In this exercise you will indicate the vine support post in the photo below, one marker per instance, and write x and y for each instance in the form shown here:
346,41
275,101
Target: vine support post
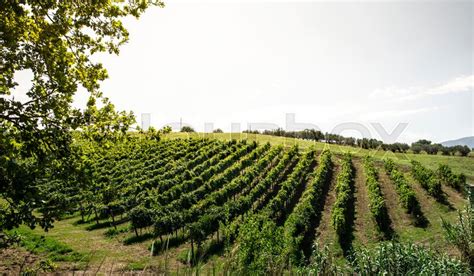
470,191
192,251
96,215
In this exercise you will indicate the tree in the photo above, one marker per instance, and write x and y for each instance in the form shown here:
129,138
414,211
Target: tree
416,148
53,40
433,149
464,150
218,130
423,145
423,142
187,129
446,150
402,147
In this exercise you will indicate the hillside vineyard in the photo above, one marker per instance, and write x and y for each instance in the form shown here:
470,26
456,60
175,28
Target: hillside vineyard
200,192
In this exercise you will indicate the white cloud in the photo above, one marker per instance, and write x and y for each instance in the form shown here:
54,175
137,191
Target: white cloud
457,85
461,84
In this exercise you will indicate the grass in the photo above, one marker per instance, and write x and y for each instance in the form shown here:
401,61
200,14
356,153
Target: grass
113,232
50,247
103,248
135,266
457,163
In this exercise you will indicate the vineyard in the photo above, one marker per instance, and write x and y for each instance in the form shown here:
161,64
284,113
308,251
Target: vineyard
90,184
260,205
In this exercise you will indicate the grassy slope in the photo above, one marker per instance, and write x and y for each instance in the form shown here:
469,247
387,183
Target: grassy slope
458,164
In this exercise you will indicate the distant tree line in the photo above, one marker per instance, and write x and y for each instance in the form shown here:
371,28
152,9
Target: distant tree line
366,143
187,129
430,148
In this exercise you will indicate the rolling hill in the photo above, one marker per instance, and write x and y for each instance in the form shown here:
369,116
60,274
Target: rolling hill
465,141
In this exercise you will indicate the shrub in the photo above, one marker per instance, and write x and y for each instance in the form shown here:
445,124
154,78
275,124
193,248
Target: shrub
461,234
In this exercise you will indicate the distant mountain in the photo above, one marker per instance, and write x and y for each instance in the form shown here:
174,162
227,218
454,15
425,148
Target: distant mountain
468,141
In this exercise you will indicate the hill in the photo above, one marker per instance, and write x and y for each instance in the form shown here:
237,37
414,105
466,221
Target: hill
466,141
459,164
158,206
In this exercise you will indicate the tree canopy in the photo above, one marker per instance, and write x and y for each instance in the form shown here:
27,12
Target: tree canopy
54,40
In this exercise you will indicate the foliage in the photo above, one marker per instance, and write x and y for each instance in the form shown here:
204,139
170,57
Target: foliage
187,129
461,234
9,239
394,258
54,41
260,245
277,205
175,180
340,215
447,177
216,208
385,258
270,251
407,196
152,134
376,199
323,263
396,147
170,217
261,191
166,130
427,180
429,148
199,189
299,224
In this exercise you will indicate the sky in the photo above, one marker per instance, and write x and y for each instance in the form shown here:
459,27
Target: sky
336,66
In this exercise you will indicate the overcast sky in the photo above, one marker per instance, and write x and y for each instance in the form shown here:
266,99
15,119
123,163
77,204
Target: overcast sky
226,62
